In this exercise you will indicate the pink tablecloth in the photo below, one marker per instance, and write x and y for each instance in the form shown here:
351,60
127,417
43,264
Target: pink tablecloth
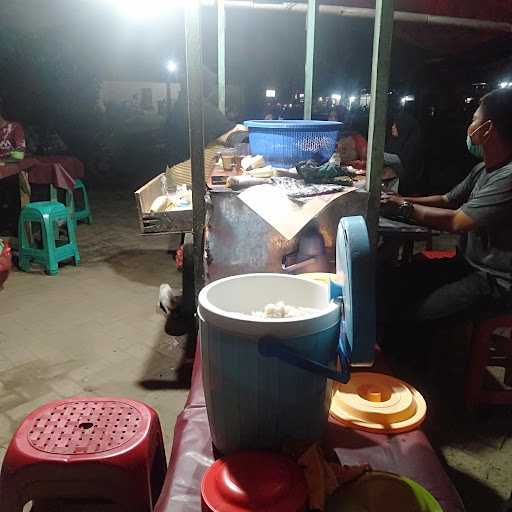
407,454
61,171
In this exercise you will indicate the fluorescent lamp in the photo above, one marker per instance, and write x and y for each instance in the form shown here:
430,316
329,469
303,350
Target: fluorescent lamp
171,66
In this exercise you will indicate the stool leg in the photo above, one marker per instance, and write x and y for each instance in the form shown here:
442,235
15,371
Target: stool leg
158,469
10,500
70,203
72,238
49,242
478,356
53,194
24,260
88,219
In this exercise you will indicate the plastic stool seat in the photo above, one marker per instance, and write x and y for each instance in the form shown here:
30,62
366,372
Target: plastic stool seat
48,214
86,449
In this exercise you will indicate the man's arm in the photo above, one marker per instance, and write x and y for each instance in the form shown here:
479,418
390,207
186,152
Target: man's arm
443,219
432,211
435,201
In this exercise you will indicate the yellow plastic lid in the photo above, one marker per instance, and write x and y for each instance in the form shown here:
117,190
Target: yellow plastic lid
375,402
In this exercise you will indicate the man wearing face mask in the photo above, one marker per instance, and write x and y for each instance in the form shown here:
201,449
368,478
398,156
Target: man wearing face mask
480,209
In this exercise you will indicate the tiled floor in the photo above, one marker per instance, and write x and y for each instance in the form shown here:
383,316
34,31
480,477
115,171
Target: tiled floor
95,330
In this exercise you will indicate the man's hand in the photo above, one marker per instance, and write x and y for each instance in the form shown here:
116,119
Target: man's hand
390,204
391,197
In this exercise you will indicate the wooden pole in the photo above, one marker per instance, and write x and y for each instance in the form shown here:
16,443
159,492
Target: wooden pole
196,132
310,58
381,65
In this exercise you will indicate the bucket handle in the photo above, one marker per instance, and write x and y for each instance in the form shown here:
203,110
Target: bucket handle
269,346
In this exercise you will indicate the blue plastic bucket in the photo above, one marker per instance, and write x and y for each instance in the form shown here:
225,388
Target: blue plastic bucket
285,143
254,400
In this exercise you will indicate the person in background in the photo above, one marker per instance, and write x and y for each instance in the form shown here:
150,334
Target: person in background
12,138
216,124
479,277
352,149
404,140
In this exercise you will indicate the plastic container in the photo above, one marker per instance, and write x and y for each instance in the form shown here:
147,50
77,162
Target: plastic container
254,482
285,143
255,399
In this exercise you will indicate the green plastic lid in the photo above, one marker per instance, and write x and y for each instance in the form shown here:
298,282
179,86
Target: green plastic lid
379,491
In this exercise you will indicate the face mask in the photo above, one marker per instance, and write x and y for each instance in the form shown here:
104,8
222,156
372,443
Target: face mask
476,150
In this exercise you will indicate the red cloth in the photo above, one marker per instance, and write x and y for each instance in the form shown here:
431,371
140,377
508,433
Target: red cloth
407,454
12,138
61,171
73,166
11,169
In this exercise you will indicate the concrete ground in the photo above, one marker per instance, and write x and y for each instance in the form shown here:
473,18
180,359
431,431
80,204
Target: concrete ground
95,330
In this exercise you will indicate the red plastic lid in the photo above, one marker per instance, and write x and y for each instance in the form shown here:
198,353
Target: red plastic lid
256,482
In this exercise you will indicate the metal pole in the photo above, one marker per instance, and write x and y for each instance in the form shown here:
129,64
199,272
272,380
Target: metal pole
361,12
381,65
310,58
221,28
168,95
196,131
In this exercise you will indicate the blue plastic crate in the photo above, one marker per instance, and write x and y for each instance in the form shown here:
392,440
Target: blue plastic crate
285,143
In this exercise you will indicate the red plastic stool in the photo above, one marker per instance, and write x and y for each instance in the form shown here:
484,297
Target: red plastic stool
485,353
438,255
88,449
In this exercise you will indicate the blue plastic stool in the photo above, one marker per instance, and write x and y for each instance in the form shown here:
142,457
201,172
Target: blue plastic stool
48,214
83,213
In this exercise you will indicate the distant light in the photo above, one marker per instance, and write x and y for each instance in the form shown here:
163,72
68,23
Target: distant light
407,99
336,97
270,93
301,95
139,10
364,100
321,98
290,105
469,99
503,85
171,66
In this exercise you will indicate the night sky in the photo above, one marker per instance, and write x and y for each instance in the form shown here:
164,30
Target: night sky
263,49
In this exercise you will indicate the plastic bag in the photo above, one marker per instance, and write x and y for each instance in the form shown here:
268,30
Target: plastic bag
5,261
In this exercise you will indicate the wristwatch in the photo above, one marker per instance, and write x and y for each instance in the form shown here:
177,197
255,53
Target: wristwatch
406,210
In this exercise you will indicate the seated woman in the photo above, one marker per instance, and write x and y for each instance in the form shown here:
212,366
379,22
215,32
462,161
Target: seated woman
12,138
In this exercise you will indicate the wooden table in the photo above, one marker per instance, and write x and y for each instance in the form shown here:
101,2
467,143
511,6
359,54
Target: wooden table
399,234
